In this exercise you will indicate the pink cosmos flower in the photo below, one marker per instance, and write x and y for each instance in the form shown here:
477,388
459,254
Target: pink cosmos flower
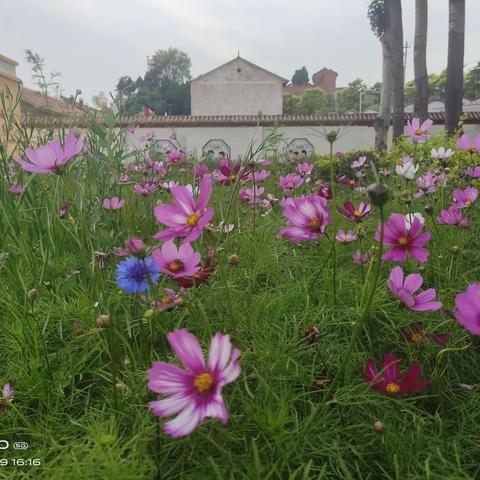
355,214
195,392
359,163
169,300
177,262
465,198
404,240
250,195
473,172
145,189
187,217
467,312
419,133
51,158
8,394
453,216
175,156
133,246
388,381
307,218
360,258
471,146
343,237
16,189
260,176
404,291
113,203
290,182
418,336
228,172
304,169
130,130
426,184
324,190
124,178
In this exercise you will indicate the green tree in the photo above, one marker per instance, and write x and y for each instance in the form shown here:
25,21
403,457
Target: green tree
164,88
290,103
348,98
471,83
313,100
300,77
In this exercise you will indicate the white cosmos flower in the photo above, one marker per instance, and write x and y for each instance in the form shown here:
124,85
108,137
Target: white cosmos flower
407,170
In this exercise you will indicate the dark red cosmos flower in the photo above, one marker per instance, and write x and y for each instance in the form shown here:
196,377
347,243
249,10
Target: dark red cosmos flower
388,381
228,171
200,277
349,182
324,190
419,336
357,214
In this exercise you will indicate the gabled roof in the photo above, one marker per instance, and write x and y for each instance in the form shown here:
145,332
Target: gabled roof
8,60
38,104
284,80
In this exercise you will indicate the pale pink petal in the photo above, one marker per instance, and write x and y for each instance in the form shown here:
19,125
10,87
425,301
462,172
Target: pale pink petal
186,347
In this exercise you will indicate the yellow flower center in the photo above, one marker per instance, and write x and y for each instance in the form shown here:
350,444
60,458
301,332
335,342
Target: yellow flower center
472,148
193,219
418,131
167,299
203,382
418,338
176,265
468,202
393,388
232,177
315,224
352,182
403,241
357,213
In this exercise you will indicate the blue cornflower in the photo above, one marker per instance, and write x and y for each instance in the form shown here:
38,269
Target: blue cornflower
136,274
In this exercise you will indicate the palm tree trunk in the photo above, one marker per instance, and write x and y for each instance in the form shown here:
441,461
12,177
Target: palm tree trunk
382,122
397,68
456,46
420,59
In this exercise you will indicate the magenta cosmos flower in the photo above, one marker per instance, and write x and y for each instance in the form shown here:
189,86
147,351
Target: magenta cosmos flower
145,189
187,217
453,216
228,171
113,203
51,157
307,218
259,176
290,182
418,133
465,198
304,169
195,392
467,312
418,336
8,394
404,290
133,246
359,163
360,258
356,214
471,146
181,262
389,382
404,240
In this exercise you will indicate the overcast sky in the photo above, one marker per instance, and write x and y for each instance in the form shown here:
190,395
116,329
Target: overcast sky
94,42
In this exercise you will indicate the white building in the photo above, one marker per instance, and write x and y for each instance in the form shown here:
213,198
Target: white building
237,87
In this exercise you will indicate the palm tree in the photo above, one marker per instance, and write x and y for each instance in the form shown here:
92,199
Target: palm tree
420,59
397,68
456,46
379,16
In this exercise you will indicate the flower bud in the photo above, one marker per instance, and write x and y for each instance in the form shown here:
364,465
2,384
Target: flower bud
455,249
378,426
428,209
234,259
378,193
149,314
120,387
32,295
331,136
103,321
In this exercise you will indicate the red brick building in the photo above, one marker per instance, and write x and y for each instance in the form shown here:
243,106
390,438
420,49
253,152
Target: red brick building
326,79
